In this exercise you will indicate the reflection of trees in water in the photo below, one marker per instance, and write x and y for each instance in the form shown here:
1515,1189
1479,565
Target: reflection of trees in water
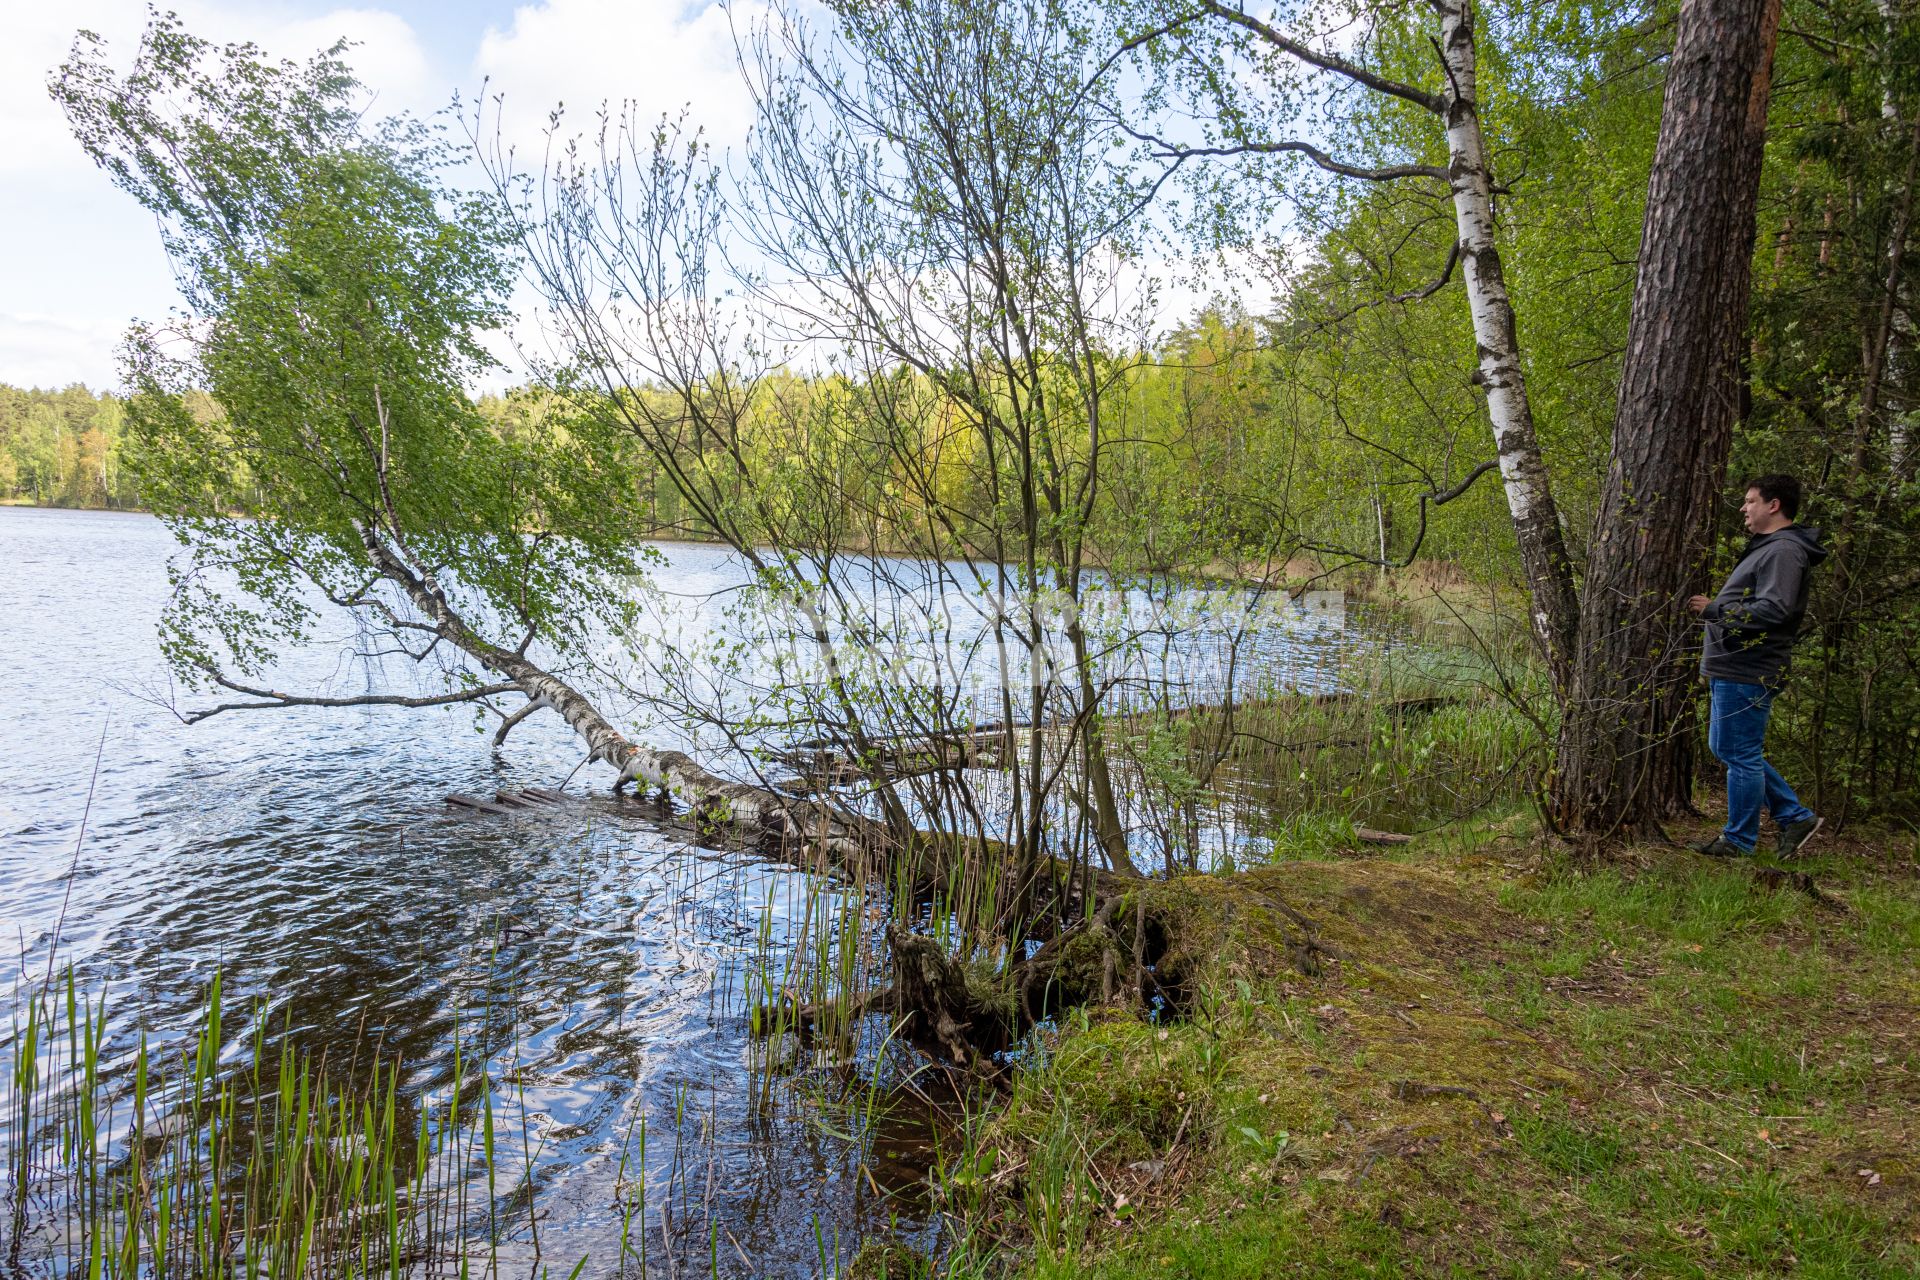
602,975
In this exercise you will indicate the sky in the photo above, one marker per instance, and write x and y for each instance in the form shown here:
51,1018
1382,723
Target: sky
79,259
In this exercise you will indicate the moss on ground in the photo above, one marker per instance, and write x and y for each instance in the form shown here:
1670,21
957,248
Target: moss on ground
1483,1060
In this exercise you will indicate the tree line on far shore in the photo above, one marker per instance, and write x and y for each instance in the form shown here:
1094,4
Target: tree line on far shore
63,448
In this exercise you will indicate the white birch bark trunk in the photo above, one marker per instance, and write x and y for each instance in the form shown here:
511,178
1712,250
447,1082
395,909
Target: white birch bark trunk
1536,519
715,801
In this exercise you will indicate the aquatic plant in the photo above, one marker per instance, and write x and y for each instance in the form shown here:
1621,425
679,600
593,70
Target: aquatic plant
187,1158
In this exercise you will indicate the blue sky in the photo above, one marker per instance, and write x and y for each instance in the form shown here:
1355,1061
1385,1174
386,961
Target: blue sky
79,260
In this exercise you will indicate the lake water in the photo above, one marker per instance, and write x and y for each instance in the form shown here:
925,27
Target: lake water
308,857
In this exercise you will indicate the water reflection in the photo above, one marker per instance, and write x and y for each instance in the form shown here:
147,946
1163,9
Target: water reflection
309,859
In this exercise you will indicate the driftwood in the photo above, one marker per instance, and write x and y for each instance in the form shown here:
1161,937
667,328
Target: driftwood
823,763
472,802
823,766
788,1013
526,799
1399,706
510,801
916,739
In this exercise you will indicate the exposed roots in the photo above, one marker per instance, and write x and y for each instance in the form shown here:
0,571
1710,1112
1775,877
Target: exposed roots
1150,946
945,1011
1157,947
1155,944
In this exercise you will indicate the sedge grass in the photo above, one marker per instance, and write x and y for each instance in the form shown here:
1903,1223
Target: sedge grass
178,1160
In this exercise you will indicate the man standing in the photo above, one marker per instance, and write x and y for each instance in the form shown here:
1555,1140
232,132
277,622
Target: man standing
1751,627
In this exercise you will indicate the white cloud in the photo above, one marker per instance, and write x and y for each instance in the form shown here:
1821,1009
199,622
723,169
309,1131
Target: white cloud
660,55
57,351
78,259
386,56
38,37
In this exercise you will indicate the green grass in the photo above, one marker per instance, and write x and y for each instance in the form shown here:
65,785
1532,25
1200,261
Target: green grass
214,1158
1673,1072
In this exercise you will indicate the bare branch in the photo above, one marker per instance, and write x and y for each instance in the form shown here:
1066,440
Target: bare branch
1436,498
1453,81
1426,290
1179,154
1325,61
1128,46
273,698
507,725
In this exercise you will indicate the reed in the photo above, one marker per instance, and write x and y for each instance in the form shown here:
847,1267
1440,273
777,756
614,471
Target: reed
1280,776
198,1158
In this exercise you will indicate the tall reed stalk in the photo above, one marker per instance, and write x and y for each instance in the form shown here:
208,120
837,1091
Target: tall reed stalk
178,1161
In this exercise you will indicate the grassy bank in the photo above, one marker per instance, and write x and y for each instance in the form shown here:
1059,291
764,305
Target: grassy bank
1473,1058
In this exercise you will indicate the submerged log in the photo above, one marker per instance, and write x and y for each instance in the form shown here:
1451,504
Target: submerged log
757,812
825,767
474,802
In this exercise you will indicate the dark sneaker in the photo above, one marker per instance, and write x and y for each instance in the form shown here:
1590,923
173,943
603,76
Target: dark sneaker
1795,834
1720,847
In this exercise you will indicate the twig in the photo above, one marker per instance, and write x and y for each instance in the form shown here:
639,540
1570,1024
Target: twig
86,812
1723,1155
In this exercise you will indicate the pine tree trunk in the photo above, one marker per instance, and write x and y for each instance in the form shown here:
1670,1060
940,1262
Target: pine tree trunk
1899,344
1624,762
1536,518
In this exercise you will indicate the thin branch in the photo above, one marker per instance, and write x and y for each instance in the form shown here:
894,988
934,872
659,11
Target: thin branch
1128,46
1412,295
1453,81
1325,61
273,698
1179,154
1431,498
507,725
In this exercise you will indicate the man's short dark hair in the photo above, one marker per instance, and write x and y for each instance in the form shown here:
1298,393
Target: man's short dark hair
1779,487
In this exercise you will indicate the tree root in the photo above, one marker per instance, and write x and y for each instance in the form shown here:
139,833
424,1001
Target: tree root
944,1013
804,1020
1777,878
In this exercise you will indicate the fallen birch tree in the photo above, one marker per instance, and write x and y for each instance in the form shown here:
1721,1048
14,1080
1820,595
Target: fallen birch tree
337,293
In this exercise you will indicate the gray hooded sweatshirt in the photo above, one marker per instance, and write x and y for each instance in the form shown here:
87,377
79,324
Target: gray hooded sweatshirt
1752,623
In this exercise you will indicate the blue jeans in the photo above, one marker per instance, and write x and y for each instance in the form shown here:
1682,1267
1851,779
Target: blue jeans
1735,734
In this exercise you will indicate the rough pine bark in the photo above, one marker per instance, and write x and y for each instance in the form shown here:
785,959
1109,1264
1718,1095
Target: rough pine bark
1523,471
1899,343
1624,762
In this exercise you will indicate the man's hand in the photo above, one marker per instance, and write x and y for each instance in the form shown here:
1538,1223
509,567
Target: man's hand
1697,605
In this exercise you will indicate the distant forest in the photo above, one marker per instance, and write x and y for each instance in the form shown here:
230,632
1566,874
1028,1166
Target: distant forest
63,448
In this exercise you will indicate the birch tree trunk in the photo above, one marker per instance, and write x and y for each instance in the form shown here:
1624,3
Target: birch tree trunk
1621,765
1554,611
1882,345
1536,518
753,811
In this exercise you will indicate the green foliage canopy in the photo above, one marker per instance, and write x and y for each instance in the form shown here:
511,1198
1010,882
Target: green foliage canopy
337,294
